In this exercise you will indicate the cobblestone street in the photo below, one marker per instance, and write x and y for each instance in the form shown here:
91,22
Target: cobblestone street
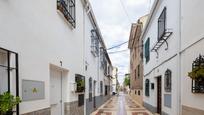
121,105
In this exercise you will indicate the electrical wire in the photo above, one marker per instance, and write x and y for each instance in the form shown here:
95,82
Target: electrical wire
118,51
125,11
117,45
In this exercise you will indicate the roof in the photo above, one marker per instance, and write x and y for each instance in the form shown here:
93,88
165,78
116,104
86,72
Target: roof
136,30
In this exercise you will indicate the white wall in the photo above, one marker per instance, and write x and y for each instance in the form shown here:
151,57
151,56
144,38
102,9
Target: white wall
40,35
157,66
192,27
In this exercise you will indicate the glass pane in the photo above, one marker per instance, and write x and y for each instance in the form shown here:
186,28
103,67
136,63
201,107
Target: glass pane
3,58
3,80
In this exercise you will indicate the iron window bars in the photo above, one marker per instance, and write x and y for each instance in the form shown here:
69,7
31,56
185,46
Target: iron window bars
198,84
67,7
9,69
102,55
163,32
94,43
167,78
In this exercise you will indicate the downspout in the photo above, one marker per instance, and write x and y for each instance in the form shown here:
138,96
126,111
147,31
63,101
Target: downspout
179,62
84,58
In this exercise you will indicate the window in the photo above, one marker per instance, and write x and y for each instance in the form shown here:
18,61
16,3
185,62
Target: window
147,87
147,50
101,85
135,74
135,92
9,73
81,100
94,43
138,71
105,66
152,86
138,92
102,57
67,7
106,89
90,89
197,75
167,81
162,24
80,82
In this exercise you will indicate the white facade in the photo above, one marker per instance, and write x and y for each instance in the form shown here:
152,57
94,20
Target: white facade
192,35
184,20
164,60
48,46
115,80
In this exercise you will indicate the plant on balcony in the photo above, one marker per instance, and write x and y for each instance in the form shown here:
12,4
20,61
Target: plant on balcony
7,103
197,73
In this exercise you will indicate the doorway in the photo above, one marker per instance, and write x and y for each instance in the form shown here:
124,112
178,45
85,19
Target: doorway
56,95
159,95
94,95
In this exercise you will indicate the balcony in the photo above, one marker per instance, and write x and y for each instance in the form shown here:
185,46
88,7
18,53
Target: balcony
67,8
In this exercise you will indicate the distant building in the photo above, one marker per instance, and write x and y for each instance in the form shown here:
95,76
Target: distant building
115,83
136,59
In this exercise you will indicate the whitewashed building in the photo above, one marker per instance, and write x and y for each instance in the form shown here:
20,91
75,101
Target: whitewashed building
191,48
47,56
173,46
160,40
115,82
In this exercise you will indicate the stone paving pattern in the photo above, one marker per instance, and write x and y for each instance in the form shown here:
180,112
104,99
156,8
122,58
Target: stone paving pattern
121,105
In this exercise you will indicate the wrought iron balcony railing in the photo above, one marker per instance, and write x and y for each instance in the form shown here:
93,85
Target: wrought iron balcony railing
67,7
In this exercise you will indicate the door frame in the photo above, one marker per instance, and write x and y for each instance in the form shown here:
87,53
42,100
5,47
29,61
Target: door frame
159,94
94,94
63,73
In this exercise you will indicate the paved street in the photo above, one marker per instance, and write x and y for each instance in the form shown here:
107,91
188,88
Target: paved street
121,105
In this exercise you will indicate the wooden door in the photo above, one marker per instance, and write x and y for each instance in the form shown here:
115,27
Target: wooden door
159,95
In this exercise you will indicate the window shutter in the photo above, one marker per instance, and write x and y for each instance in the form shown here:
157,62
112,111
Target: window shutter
147,50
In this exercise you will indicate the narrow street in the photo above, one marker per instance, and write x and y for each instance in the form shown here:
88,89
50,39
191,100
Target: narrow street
121,105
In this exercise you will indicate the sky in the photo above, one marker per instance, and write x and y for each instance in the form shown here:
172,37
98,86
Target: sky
114,18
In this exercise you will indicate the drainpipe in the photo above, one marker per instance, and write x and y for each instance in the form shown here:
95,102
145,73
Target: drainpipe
179,63
84,58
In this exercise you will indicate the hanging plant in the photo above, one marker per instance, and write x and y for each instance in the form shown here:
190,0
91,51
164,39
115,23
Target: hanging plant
196,73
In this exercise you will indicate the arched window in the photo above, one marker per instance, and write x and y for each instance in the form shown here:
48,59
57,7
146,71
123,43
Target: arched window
147,87
167,81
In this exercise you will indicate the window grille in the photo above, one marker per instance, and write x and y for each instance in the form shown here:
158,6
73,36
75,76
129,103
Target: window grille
9,73
67,7
198,83
167,82
94,43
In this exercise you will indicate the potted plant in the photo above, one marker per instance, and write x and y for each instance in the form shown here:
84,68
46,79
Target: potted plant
7,103
197,73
